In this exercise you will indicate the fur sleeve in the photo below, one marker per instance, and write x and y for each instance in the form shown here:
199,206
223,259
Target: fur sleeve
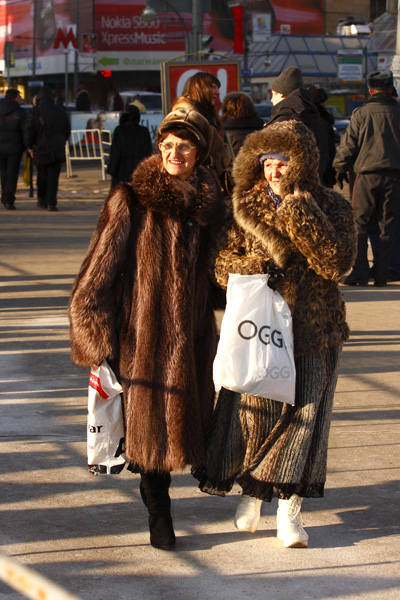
233,257
324,236
92,307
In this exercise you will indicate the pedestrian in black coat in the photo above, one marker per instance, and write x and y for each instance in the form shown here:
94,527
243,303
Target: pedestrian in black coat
46,130
292,101
130,145
239,118
82,101
11,145
320,99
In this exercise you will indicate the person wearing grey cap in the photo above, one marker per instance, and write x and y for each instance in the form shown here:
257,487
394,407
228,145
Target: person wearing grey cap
292,101
144,300
371,145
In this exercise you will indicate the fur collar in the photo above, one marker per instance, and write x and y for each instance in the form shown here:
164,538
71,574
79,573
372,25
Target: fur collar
197,197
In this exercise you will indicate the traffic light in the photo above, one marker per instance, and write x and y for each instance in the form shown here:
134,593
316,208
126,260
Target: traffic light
106,73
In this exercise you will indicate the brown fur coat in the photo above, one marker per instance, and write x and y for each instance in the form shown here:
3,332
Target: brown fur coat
310,237
143,300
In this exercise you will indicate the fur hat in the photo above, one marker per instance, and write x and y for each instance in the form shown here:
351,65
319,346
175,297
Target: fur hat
380,80
289,80
193,121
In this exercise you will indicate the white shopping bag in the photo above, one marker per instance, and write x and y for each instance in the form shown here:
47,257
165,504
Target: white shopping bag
105,423
255,350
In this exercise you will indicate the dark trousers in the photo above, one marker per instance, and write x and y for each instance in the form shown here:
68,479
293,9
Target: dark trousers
395,260
9,170
47,183
376,202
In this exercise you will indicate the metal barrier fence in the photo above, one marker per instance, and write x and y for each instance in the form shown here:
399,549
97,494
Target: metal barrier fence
30,583
88,144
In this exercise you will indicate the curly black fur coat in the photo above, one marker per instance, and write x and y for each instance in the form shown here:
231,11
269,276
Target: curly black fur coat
311,236
143,300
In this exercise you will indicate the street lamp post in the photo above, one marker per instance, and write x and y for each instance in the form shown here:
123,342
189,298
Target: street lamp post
76,61
34,39
245,46
196,25
149,14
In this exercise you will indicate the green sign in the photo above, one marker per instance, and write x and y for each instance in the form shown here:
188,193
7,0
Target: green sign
106,62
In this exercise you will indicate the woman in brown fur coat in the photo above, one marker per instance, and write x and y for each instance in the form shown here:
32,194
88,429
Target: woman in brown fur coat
144,301
303,234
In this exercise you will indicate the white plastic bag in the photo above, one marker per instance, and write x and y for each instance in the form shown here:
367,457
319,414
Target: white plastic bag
105,423
255,350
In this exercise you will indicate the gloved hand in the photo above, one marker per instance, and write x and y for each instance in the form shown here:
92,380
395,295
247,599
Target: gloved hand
340,177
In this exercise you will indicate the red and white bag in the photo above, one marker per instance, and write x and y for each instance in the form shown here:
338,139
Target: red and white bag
105,422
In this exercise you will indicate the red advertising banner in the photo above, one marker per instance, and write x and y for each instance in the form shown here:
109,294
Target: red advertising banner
121,28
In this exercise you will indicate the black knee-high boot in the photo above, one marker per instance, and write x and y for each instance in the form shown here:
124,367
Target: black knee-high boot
154,492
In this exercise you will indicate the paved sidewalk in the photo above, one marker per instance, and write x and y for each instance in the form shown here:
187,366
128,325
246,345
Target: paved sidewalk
89,534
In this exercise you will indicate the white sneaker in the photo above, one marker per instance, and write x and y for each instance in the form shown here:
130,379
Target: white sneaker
290,528
248,513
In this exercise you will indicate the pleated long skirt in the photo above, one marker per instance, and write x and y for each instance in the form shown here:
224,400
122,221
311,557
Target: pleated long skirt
273,449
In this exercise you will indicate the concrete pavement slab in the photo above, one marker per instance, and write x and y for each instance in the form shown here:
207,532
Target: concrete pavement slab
89,534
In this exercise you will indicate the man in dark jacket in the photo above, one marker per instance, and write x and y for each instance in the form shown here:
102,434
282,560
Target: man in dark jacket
82,101
371,145
46,130
320,99
130,145
292,101
11,145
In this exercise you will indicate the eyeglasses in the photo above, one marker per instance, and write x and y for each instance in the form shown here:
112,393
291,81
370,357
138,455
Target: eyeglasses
181,148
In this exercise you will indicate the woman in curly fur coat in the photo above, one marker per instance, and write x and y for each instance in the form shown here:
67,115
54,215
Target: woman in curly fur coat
144,301
287,224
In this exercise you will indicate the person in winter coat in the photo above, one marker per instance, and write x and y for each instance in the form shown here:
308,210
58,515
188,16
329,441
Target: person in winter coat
201,92
239,118
144,300
292,101
131,143
46,130
320,99
12,118
371,146
289,225
116,102
82,101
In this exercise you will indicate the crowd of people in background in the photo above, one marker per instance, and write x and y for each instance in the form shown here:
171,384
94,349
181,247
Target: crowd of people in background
358,160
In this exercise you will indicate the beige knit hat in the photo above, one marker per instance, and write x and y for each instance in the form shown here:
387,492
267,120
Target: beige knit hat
194,122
